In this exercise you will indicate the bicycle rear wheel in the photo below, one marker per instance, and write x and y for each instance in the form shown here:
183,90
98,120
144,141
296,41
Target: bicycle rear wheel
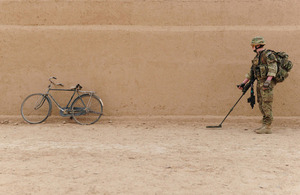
36,108
87,109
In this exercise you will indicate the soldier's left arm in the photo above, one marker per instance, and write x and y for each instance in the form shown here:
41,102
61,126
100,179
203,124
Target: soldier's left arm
272,69
272,64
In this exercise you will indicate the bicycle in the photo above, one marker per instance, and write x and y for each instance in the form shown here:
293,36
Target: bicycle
85,109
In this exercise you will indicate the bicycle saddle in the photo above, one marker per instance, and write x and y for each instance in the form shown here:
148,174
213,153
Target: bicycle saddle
78,86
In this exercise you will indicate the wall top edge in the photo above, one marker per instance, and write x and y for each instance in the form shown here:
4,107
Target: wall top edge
151,28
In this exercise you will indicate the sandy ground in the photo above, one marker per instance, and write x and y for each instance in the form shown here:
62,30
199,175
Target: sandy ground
176,155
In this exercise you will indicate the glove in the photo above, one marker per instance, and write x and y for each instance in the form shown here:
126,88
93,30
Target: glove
241,86
266,84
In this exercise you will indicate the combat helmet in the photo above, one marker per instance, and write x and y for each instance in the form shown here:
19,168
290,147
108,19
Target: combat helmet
258,41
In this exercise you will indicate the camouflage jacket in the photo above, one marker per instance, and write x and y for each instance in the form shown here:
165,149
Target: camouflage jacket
264,65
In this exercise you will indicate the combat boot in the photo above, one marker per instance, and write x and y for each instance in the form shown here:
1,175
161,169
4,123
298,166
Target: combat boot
265,129
259,128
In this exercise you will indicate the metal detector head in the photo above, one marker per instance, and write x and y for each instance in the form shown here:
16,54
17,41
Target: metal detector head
219,126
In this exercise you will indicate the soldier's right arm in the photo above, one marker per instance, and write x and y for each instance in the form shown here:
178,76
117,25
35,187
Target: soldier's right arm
248,76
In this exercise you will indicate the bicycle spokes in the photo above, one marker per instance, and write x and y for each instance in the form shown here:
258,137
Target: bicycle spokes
36,108
87,109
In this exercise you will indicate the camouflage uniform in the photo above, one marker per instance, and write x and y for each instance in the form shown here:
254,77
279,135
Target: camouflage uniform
264,65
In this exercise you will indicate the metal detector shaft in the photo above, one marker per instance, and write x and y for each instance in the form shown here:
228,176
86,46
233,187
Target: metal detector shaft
220,125
231,109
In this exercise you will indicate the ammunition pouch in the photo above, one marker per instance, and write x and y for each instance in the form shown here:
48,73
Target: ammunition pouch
261,71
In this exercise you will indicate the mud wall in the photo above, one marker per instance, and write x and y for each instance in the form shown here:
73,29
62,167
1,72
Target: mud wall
148,57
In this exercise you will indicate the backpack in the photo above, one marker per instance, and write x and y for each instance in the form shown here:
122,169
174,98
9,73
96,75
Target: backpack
284,66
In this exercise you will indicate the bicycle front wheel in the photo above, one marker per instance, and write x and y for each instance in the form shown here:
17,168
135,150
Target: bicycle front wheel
36,108
87,109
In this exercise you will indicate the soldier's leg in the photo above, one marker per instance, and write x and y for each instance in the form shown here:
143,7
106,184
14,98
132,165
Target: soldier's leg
266,108
267,101
259,100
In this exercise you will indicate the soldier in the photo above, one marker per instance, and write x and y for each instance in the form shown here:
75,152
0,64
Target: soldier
263,69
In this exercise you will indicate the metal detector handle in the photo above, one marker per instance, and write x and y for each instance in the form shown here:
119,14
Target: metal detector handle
247,86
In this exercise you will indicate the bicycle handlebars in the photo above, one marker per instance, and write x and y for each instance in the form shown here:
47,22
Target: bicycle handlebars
56,84
78,86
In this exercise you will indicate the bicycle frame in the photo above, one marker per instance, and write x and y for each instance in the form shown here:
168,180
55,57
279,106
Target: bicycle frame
75,91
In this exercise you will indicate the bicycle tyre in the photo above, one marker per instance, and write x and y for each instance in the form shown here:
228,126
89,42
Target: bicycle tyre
36,108
87,109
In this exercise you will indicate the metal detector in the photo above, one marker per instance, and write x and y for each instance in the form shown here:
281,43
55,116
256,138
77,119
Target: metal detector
220,125
245,89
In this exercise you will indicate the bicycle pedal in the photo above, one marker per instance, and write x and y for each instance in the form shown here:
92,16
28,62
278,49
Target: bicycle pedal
65,112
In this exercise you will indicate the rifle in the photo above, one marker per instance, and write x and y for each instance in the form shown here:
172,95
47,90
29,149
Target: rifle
250,100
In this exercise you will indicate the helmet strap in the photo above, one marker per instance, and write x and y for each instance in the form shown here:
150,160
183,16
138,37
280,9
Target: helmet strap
257,47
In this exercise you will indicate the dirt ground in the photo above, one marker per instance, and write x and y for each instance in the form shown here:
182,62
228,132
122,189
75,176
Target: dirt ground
162,155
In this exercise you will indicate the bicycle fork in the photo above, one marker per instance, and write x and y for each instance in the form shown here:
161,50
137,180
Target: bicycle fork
40,103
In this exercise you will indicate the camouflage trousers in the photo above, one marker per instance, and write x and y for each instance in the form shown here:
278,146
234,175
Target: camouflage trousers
265,101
